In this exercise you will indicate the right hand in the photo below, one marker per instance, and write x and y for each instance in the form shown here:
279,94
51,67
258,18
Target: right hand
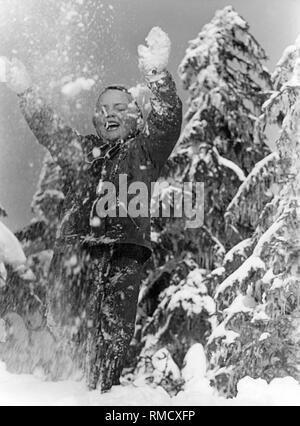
154,57
17,76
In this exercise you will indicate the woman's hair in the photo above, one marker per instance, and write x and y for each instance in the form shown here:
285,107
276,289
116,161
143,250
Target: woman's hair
114,87
121,89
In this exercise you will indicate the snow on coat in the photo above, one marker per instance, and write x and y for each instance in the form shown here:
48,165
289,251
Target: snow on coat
84,158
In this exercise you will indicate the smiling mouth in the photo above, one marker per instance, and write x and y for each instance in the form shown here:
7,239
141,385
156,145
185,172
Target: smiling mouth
112,126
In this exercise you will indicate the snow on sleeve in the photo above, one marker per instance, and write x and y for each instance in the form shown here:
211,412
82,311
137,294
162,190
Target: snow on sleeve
53,194
142,95
11,252
74,88
155,56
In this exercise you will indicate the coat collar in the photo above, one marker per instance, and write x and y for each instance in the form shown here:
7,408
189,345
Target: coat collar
106,151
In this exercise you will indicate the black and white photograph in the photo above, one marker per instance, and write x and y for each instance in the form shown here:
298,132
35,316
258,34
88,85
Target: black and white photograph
149,205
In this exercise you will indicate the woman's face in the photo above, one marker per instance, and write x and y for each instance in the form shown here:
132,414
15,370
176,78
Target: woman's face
116,116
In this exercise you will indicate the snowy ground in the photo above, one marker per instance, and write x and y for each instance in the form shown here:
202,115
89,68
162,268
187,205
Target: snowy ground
31,391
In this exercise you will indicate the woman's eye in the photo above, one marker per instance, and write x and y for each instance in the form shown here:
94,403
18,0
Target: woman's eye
121,108
101,113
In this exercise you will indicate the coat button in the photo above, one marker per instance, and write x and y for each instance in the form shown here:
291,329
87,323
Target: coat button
95,222
96,152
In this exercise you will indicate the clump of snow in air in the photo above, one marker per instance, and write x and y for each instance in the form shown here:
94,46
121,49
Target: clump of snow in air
74,88
155,56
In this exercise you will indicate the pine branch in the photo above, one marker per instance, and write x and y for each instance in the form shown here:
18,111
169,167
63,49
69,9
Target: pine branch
230,165
252,195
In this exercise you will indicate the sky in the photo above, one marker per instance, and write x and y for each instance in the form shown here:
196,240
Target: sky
44,36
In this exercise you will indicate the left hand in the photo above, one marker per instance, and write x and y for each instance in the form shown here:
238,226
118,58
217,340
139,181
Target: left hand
154,58
17,76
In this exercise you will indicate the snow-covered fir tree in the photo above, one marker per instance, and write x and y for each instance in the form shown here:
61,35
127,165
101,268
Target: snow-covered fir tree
258,334
224,73
23,298
46,207
13,266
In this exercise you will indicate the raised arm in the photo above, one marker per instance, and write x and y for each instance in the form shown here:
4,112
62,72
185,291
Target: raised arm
165,119
63,143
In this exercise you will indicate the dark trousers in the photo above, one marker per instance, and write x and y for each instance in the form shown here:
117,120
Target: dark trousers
93,296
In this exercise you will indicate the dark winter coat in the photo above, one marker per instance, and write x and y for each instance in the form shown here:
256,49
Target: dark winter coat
141,159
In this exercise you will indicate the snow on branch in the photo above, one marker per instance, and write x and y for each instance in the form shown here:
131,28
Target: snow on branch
230,165
50,194
242,274
285,66
266,238
241,304
238,250
256,187
190,295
